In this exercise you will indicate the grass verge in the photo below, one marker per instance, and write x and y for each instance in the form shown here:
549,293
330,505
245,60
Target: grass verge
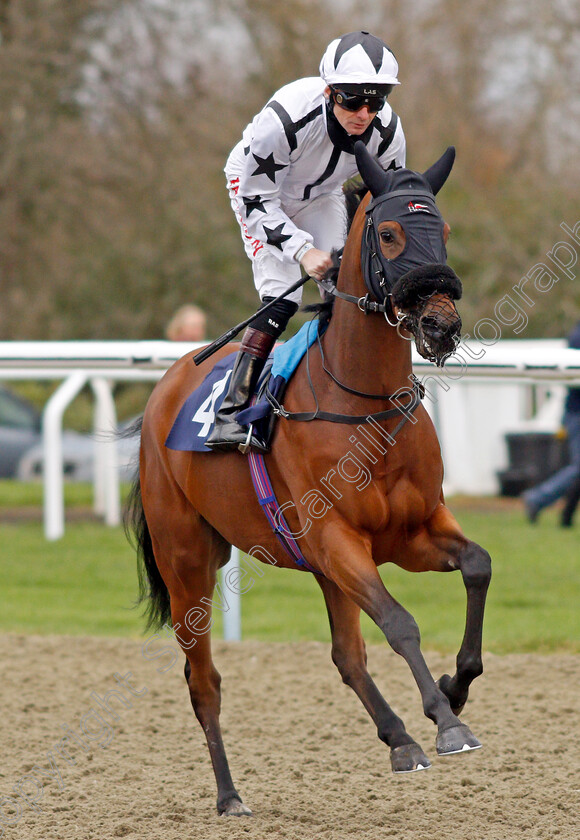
86,584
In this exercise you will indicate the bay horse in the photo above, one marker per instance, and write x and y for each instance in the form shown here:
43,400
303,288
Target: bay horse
353,501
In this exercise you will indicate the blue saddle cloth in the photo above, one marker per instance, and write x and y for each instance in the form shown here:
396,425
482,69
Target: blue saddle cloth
196,418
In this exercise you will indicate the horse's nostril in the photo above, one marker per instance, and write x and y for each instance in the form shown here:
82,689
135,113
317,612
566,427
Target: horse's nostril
429,323
434,327
437,328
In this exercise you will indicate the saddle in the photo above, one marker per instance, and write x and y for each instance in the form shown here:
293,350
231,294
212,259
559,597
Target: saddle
196,418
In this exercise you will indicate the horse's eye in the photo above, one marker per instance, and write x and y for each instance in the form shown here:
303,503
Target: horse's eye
387,237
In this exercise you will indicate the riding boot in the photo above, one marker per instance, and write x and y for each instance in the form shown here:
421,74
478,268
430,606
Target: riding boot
227,433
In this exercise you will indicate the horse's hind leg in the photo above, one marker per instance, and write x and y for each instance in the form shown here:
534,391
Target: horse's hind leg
203,681
475,565
349,656
191,571
204,689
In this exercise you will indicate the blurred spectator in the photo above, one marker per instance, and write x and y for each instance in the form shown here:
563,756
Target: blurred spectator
563,482
572,499
187,324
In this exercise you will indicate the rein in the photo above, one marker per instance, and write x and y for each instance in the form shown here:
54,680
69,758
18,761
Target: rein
415,395
346,387
364,303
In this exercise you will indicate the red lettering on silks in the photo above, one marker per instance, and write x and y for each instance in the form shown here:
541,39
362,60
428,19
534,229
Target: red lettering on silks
255,244
234,185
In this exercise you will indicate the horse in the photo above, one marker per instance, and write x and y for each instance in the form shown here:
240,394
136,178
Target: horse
352,501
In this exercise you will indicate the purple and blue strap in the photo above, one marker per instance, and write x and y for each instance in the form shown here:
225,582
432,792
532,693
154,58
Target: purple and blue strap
274,515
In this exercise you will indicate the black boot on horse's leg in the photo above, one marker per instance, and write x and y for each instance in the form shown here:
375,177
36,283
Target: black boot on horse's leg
255,348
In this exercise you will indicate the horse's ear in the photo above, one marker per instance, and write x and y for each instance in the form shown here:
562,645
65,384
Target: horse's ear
372,172
437,174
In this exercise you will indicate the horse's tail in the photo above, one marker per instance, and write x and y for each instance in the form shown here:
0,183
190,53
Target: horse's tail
152,590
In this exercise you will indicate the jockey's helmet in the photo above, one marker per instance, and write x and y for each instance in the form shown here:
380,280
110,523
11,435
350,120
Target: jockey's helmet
360,63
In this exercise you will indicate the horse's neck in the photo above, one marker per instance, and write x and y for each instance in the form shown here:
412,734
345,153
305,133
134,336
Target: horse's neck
364,351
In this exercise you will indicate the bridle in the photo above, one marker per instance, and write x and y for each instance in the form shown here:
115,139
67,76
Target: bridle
380,297
382,293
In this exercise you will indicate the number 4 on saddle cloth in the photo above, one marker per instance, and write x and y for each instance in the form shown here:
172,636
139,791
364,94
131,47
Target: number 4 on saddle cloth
197,415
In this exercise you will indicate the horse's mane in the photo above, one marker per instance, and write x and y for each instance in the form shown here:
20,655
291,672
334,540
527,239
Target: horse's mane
354,192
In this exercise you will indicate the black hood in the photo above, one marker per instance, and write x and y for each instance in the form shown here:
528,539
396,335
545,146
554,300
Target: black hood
410,202
406,197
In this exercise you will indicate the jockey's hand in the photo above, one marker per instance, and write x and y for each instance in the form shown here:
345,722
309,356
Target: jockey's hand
315,263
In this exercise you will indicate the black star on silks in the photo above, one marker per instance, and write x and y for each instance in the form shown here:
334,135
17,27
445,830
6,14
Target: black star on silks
268,166
254,203
275,236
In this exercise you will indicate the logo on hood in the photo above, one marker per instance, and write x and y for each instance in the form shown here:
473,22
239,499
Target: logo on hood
415,207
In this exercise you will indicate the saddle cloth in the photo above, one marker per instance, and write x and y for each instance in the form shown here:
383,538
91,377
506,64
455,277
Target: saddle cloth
196,418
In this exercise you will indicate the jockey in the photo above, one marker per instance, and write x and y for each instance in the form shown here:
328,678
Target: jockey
285,180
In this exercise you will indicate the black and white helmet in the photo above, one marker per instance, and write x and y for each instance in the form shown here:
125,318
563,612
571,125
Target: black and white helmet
359,58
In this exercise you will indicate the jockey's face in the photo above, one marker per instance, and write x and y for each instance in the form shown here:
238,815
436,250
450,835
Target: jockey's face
353,122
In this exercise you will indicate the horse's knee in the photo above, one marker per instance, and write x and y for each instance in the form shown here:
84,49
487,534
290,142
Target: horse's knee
475,565
401,630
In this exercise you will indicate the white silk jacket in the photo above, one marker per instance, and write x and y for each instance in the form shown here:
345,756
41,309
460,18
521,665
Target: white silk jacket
293,151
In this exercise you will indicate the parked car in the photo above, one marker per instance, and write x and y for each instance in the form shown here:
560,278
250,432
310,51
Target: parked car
19,430
78,455
21,448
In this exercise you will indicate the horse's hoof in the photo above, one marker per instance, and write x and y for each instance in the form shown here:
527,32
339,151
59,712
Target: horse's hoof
234,808
444,683
456,739
408,758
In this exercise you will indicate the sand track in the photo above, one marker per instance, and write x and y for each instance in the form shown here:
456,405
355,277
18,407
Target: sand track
303,752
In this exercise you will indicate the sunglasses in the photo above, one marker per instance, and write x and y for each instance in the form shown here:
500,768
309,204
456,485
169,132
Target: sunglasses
355,101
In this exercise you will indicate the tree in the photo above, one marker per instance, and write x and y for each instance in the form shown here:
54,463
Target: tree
117,117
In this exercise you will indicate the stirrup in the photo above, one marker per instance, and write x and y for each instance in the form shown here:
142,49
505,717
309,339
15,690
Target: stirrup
246,445
252,442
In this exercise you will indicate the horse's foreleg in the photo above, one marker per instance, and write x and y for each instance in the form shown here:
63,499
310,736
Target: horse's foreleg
475,565
358,577
349,656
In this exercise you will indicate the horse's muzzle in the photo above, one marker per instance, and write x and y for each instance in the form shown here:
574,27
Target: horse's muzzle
436,327
437,337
